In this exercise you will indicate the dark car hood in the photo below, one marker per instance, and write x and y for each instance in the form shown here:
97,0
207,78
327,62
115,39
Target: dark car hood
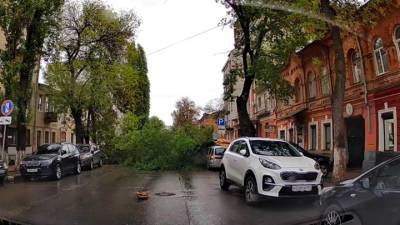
40,157
314,155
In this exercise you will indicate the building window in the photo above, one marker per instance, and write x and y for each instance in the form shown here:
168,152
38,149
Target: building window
291,135
282,134
53,137
46,104
300,135
381,59
356,66
39,138
387,130
40,103
259,103
312,85
72,138
325,81
46,137
28,137
297,91
313,137
327,135
63,136
397,40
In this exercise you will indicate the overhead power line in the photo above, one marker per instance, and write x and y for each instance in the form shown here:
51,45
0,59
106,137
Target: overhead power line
183,40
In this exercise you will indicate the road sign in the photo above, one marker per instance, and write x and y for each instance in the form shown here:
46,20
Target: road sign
7,107
221,122
5,120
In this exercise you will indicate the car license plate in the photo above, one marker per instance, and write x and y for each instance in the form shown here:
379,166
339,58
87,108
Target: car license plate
301,188
31,170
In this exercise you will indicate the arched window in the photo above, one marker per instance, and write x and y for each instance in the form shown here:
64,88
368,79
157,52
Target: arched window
297,91
312,85
381,59
325,81
397,40
356,66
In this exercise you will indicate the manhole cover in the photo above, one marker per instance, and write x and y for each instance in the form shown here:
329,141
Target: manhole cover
165,194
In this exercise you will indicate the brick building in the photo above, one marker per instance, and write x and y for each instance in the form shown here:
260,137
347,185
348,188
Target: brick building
372,97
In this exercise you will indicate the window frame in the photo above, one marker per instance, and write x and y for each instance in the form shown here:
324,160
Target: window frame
312,85
355,63
381,137
396,40
383,54
325,77
310,138
323,136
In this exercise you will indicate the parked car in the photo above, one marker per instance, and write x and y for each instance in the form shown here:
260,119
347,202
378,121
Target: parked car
214,157
371,198
90,156
324,161
52,161
3,171
269,167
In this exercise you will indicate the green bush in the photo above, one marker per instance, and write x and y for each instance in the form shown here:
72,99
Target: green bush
155,147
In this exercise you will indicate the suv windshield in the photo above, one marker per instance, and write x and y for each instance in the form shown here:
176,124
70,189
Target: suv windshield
219,151
273,148
49,149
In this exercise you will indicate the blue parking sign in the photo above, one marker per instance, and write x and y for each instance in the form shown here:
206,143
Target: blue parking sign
221,122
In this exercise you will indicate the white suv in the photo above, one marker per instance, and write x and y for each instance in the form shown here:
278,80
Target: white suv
269,167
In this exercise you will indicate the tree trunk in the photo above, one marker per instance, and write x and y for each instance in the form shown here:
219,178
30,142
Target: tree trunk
246,126
339,142
79,127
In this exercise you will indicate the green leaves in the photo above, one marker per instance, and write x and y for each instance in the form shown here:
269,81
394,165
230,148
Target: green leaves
154,147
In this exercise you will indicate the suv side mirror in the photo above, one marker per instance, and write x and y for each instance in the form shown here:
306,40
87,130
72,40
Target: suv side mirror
243,152
302,154
63,152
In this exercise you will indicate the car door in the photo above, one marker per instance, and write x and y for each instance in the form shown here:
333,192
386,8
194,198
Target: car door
65,158
229,160
239,162
96,154
388,182
74,156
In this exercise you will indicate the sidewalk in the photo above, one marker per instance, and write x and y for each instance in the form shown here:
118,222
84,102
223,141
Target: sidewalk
350,174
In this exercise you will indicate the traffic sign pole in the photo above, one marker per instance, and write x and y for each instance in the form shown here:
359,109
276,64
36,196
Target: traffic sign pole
6,109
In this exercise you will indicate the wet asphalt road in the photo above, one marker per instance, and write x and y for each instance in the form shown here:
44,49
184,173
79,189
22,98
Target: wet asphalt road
107,196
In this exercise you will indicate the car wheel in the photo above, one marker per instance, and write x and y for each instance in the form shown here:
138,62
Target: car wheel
251,193
223,182
100,163
324,169
78,168
2,181
58,173
332,215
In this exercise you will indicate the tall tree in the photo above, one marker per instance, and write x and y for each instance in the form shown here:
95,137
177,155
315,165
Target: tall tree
26,25
91,36
265,37
186,113
132,90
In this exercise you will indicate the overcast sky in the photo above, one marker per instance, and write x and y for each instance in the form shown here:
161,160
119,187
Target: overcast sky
191,68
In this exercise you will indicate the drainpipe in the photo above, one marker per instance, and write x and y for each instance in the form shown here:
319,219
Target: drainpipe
35,96
364,80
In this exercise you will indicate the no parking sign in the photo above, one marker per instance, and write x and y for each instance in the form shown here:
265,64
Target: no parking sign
7,107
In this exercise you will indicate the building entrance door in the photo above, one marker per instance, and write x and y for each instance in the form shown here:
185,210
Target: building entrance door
356,141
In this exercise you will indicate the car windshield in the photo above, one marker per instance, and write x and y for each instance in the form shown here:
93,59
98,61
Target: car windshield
49,149
219,151
273,148
84,148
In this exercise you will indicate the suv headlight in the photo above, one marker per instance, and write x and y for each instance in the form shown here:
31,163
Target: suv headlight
317,166
269,165
46,162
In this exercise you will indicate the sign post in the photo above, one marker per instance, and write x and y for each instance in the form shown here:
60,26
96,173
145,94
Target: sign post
6,109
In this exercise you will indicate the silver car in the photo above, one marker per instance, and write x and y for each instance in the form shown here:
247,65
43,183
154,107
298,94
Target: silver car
214,157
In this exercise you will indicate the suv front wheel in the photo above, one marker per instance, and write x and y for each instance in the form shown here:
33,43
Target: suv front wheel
223,182
251,193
